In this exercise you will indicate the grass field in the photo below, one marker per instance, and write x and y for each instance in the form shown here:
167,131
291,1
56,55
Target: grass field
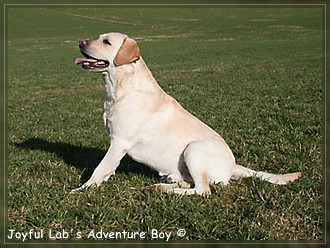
252,74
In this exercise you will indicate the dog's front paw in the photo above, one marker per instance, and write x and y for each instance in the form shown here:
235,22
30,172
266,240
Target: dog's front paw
81,188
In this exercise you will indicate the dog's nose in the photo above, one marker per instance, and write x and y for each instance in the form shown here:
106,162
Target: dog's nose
83,43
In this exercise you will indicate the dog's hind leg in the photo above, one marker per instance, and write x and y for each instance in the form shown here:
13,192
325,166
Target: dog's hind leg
170,187
208,161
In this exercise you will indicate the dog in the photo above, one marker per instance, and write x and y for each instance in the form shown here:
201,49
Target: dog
153,128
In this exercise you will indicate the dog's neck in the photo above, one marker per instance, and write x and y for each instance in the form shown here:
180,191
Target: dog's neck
125,78
110,84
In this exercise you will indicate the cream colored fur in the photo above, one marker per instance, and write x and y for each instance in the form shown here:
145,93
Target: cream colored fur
154,129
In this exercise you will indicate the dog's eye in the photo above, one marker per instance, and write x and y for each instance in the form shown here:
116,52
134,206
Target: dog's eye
107,42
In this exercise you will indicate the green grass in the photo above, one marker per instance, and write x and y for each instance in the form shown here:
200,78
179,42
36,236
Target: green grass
252,74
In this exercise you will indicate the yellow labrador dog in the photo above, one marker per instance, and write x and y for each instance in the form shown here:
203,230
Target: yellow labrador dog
153,128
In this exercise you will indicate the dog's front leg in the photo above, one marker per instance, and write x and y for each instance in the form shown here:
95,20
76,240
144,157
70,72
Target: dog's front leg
107,166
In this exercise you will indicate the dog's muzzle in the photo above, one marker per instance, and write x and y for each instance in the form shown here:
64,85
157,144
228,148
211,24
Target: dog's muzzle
89,62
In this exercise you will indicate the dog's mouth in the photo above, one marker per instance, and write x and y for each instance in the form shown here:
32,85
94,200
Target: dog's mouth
91,64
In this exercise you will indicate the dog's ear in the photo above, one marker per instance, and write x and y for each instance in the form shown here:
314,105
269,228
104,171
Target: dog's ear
128,53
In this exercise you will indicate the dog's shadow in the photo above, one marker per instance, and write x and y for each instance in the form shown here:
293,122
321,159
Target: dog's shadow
83,158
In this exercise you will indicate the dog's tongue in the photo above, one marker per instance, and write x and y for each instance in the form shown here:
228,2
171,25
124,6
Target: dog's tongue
82,60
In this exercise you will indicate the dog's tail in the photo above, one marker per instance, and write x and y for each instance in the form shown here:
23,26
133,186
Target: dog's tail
241,171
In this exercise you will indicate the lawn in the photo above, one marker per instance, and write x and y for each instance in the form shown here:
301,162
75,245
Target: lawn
252,74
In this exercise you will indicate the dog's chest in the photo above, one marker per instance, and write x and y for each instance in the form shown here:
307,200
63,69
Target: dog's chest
109,98
107,114
108,103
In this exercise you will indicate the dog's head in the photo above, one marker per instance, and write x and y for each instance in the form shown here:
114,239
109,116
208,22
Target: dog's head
109,50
